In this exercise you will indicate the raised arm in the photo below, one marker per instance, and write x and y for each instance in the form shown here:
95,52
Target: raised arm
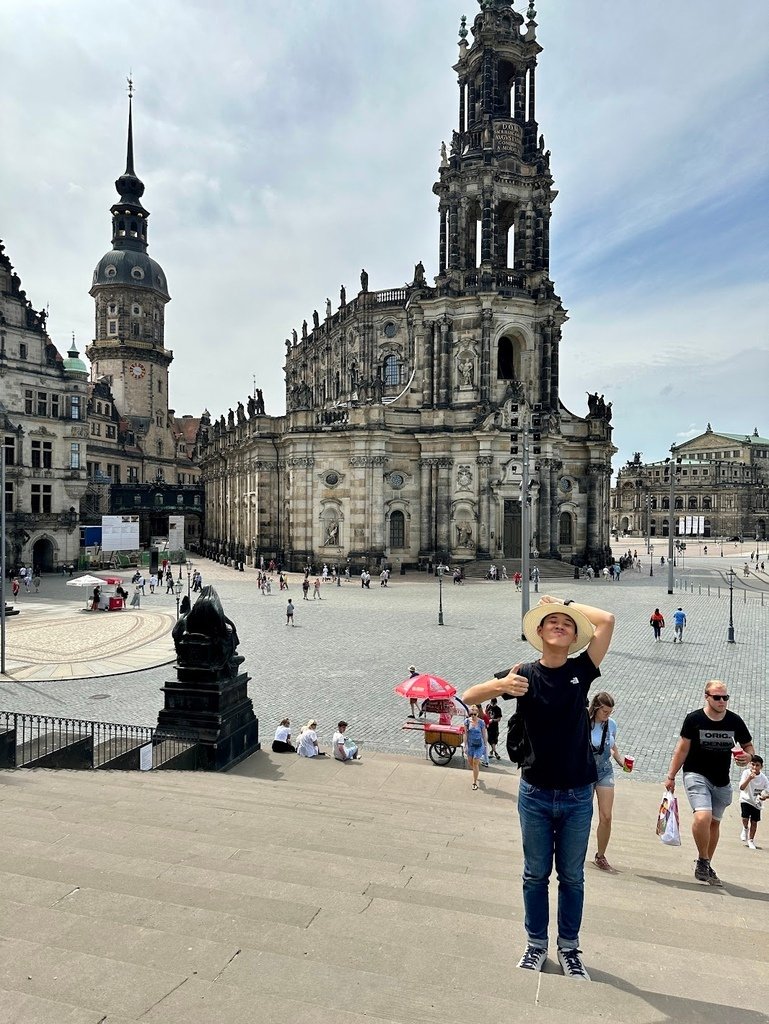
512,684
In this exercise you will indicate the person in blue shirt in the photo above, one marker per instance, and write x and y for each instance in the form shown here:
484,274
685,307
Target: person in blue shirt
679,621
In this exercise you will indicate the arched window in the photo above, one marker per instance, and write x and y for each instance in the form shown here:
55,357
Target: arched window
506,359
391,371
692,502
397,530
665,504
665,527
707,504
653,528
679,503
565,532
654,503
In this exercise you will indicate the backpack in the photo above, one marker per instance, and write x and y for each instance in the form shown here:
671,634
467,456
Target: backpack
519,748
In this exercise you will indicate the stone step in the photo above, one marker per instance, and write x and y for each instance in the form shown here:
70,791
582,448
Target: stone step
374,892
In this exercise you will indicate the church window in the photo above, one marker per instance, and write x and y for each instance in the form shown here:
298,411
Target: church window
98,408
137,273
22,350
565,529
506,360
665,504
391,371
692,503
397,530
74,407
679,503
74,456
707,504
110,271
390,329
137,311
135,330
112,327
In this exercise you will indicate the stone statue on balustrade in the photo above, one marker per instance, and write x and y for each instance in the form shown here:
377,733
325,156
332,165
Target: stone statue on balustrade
205,639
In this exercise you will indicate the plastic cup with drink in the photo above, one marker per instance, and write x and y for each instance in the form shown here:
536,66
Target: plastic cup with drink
629,763
737,751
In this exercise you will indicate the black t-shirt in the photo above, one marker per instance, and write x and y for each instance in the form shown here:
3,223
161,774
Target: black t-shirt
555,713
710,753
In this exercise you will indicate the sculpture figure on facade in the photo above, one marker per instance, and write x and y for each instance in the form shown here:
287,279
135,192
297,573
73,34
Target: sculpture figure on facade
304,330
466,369
230,419
251,406
315,318
217,430
444,155
464,534
342,296
378,388
419,275
259,402
363,281
592,403
241,413
222,423
294,337
205,638
607,412
332,533
328,309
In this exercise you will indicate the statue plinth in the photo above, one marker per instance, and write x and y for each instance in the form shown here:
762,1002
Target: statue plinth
210,694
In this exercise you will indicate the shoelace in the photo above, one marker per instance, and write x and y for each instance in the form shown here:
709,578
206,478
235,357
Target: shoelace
530,957
573,962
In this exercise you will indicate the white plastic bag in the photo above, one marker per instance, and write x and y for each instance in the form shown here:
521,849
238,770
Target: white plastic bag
668,822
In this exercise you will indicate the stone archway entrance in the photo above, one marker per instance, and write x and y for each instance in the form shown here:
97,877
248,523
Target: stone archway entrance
42,555
511,530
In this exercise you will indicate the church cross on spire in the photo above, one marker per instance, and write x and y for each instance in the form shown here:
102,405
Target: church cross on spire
129,165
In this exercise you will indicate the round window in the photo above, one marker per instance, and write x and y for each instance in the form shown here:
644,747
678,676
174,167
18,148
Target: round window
110,271
138,273
390,330
396,480
332,479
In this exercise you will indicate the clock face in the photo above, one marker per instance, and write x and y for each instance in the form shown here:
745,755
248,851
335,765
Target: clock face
137,370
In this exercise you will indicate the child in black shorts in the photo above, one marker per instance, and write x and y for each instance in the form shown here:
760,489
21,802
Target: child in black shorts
754,789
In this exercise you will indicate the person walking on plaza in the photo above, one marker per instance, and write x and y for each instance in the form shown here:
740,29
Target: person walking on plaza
316,589
494,712
657,623
555,796
290,613
475,739
603,740
679,621
754,789
305,589
709,737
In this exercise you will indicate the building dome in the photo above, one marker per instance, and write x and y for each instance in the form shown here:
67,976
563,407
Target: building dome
73,363
129,267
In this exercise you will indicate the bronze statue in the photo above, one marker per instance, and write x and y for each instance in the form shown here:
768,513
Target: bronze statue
205,638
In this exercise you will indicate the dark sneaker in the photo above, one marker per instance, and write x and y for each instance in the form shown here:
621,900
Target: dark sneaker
571,964
533,959
702,870
713,878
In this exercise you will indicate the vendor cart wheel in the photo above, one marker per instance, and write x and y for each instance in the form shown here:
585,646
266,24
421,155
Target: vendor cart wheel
441,753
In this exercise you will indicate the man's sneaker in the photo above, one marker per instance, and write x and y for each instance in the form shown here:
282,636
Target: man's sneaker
702,870
571,964
751,844
713,878
744,835
533,959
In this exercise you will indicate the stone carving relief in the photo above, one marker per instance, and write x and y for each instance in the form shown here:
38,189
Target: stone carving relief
464,478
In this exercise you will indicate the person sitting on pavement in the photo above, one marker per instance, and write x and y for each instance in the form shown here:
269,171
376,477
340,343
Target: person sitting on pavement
307,744
282,743
343,749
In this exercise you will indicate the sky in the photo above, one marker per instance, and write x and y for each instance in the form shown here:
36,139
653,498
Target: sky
285,144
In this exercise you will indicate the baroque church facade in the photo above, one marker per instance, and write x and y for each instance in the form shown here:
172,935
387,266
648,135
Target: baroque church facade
410,411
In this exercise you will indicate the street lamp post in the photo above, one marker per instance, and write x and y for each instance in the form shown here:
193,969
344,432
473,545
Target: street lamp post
440,570
730,632
189,578
178,591
672,463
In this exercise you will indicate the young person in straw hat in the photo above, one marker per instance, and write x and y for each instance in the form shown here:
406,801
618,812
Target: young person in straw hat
555,796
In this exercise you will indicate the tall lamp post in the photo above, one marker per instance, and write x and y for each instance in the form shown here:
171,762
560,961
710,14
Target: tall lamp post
730,632
528,414
189,577
673,464
440,570
178,591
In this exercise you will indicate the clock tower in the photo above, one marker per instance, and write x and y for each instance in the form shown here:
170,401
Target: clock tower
130,293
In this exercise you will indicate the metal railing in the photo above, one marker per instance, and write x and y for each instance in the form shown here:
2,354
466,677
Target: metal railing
45,741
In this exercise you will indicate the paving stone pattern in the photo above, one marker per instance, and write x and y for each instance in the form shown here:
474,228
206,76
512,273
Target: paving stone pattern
348,650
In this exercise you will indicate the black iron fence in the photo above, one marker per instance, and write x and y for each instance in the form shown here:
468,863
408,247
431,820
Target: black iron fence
44,741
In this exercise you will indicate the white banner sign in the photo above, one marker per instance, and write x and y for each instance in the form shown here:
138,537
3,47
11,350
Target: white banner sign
120,533
176,532
145,758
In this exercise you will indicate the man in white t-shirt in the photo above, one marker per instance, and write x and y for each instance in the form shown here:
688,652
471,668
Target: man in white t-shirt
754,789
342,750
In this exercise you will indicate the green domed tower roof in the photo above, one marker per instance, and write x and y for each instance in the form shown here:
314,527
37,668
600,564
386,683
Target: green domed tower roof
73,363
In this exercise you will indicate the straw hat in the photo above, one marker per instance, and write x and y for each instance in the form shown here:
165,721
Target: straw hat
532,619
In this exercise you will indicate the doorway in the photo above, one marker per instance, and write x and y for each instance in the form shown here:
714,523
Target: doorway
42,555
511,533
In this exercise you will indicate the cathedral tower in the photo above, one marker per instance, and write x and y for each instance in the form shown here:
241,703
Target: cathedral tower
130,292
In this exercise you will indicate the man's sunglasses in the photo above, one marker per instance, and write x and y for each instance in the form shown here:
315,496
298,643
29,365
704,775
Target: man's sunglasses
718,696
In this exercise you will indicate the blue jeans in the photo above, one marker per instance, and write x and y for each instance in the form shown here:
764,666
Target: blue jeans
555,823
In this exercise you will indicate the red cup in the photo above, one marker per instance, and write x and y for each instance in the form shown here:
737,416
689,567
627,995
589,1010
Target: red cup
629,763
737,751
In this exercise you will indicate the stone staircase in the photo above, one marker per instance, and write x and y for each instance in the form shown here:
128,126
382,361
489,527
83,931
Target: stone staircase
387,891
549,568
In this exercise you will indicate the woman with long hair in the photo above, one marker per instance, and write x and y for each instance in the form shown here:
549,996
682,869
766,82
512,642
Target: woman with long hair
603,740
476,740
282,743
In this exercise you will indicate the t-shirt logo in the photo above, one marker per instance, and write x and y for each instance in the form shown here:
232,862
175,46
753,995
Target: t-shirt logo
574,681
711,739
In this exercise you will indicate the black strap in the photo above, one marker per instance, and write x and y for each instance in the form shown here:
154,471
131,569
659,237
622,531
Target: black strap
600,750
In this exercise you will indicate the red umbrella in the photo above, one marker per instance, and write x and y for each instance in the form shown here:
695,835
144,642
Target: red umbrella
425,686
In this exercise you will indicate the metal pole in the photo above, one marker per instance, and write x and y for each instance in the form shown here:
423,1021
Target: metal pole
672,517
2,554
440,595
525,527
730,631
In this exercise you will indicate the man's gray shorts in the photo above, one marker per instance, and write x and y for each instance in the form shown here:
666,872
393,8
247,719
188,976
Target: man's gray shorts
704,796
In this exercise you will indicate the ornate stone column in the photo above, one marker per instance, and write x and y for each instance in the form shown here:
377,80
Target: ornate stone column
595,473
487,315
443,394
554,535
484,464
377,464
444,504
425,506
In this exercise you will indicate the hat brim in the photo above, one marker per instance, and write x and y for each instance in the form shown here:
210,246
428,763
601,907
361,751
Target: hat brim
532,620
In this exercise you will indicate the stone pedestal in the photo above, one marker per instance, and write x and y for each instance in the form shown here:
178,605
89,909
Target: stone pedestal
210,694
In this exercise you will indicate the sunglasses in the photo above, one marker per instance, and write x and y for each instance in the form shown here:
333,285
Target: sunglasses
473,714
718,696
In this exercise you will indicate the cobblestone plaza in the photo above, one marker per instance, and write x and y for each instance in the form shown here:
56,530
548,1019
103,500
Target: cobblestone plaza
349,649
